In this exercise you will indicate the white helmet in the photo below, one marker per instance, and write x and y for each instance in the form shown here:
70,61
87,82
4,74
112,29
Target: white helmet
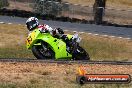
32,23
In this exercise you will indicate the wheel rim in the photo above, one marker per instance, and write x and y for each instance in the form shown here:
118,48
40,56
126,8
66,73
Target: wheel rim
81,54
46,53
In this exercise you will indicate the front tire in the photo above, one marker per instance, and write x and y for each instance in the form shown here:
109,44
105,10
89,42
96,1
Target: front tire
39,52
81,54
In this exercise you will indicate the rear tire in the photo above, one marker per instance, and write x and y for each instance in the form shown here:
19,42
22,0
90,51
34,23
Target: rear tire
37,51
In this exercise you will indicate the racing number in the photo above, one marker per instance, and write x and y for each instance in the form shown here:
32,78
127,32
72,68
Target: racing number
29,40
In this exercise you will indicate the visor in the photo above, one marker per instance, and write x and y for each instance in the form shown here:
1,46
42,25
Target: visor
31,24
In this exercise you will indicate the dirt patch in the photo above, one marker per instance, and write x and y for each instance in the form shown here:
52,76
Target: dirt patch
118,4
20,5
54,68
53,74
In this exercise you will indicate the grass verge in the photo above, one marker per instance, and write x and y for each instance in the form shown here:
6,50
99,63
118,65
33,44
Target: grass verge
12,45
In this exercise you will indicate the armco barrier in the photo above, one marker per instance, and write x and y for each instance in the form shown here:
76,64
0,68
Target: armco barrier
26,14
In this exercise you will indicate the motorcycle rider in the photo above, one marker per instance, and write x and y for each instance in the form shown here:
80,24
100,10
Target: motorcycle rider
33,23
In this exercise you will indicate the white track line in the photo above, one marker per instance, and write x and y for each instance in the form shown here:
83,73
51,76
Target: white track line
112,36
120,37
74,31
66,30
89,33
128,38
2,22
9,23
81,32
96,34
84,32
105,35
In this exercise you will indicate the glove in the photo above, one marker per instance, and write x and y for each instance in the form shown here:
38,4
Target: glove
59,30
43,30
76,37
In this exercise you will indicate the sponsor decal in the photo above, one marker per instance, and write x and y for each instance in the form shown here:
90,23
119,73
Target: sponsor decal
83,77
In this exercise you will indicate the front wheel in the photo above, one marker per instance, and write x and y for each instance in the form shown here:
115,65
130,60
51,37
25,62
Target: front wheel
43,52
81,54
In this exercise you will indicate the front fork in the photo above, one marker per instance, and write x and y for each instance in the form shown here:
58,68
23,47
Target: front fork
74,49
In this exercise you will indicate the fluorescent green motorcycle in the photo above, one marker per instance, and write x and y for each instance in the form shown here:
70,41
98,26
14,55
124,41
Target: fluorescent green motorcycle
45,46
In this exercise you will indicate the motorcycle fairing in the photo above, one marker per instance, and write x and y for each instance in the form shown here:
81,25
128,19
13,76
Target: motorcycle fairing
57,45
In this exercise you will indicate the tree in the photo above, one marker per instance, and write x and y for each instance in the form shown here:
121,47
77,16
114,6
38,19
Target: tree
4,3
48,7
98,10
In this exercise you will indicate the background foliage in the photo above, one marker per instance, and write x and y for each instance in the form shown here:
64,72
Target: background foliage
4,3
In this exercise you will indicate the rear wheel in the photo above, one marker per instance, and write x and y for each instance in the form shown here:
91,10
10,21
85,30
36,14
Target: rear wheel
43,51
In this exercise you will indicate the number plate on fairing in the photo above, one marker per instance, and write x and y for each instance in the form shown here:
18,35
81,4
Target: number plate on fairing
30,38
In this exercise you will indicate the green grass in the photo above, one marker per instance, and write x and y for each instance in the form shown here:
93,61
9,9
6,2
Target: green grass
16,52
8,85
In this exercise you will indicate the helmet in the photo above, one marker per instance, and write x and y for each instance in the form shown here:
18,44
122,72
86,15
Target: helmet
32,23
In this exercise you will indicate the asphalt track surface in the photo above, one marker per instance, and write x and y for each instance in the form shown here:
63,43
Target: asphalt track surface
90,28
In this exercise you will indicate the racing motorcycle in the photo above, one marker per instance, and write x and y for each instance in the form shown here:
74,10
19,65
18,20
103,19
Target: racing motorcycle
45,46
